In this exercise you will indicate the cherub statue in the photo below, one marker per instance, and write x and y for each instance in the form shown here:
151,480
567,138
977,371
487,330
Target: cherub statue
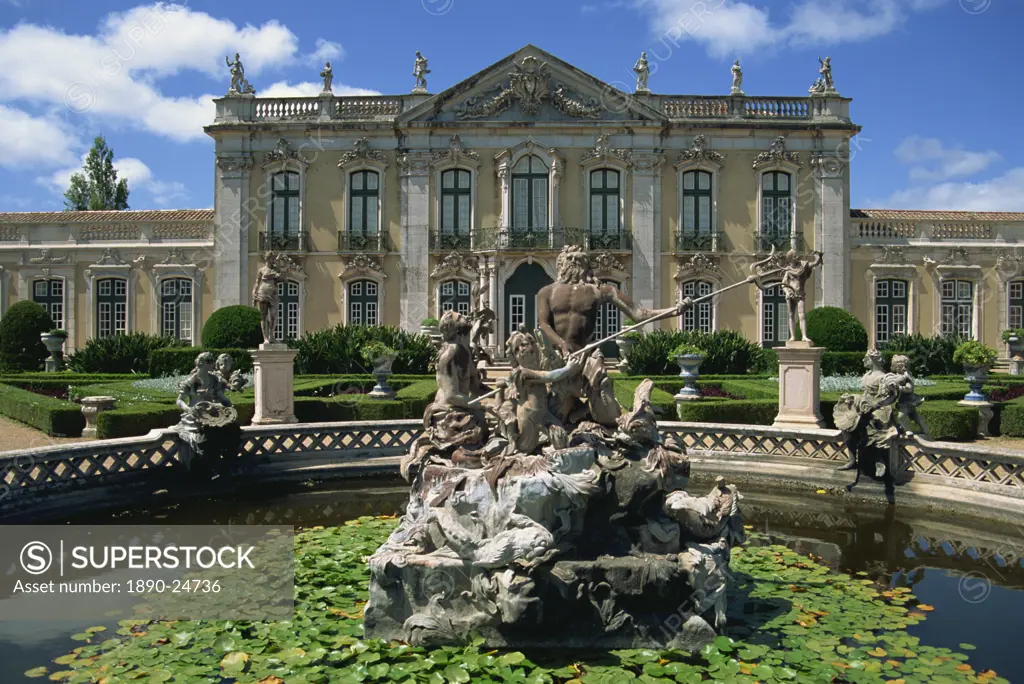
201,396
420,71
643,72
908,401
524,416
795,274
868,418
264,293
328,75
233,381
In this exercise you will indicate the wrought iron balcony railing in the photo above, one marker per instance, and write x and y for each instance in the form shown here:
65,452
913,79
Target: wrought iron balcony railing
764,242
704,241
364,242
283,242
443,241
534,238
616,241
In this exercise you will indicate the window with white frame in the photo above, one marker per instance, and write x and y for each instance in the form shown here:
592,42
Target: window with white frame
364,195
775,316
176,308
698,317
958,308
776,205
890,309
604,202
284,204
609,317
530,194
697,203
516,312
49,293
363,303
111,307
287,326
456,195
1015,304
454,295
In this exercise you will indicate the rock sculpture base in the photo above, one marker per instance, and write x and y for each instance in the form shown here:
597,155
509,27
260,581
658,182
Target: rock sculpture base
273,370
799,390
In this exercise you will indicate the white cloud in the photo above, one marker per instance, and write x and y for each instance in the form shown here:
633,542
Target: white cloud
140,180
730,27
326,50
997,194
932,160
114,74
309,89
36,141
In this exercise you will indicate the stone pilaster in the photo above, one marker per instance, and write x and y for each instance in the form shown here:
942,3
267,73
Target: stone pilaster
646,223
232,212
414,168
832,229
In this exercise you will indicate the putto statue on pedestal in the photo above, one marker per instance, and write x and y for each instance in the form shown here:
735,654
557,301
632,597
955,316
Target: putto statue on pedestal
551,514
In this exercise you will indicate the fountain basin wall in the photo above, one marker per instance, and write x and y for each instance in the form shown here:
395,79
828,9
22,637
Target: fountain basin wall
68,478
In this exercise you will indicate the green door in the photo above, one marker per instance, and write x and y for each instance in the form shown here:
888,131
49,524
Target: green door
521,297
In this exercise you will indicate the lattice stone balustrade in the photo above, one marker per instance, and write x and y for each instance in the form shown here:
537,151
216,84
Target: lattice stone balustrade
27,476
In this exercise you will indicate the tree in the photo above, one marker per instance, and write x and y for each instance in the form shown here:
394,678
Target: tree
97,187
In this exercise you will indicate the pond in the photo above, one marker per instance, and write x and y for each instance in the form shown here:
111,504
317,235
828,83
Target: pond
966,579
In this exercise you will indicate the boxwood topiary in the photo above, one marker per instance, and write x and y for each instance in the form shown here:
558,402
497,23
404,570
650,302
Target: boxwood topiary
836,330
20,346
233,327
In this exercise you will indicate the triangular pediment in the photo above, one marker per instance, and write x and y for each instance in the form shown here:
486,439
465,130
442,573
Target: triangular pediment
531,85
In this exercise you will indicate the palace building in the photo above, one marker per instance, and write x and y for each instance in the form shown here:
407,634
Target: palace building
395,208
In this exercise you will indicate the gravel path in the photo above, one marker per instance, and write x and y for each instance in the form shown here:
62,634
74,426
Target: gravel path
15,435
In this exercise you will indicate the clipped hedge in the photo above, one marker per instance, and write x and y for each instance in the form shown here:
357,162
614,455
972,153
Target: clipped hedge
181,360
232,327
662,402
947,420
53,416
20,346
138,419
848,363
836,329
1011,422
733,411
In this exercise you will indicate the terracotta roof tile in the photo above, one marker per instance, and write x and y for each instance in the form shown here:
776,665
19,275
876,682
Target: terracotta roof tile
145,216
917,215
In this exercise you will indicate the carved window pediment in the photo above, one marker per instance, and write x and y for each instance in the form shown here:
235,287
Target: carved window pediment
698,154
362,266
776,155
361,152
697,265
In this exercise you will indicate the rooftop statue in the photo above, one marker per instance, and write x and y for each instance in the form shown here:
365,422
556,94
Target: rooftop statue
420,71
239,85
825,70
542,512
328,75
737,78
643,72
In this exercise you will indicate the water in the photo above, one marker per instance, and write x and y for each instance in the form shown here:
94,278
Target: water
972,574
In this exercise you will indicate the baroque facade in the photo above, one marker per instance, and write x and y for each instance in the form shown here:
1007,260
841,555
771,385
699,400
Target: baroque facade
398,207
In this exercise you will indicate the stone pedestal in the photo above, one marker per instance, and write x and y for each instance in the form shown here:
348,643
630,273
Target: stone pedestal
799,377
273,371
984,415
91,407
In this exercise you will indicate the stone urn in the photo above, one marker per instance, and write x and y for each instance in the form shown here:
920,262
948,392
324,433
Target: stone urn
55,345
976,376
625,346
382,371
92,407
689,371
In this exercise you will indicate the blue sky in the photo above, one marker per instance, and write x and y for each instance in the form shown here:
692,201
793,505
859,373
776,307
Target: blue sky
936,84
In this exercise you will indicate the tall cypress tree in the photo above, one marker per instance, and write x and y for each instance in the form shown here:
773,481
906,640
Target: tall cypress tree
97,187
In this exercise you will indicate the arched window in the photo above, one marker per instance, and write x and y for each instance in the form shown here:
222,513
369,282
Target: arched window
776,210
49,293
363,303
111,307
456,197
364,198
775,316
176,308
1015,302
454,295
697,219
700,316
287,326
530,195
890,309
605,218
958,308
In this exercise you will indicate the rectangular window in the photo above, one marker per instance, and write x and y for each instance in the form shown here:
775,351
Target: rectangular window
356,315
957,308
881,323
517,312
50,295
890,309
371,313
769,322
1016,304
